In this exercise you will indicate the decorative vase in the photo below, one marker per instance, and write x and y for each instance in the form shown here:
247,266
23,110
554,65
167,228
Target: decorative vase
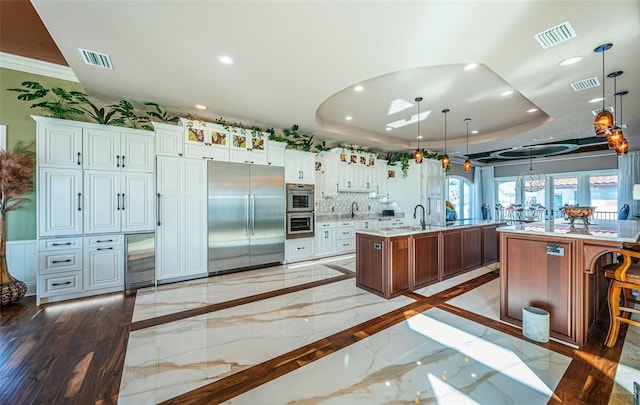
12,290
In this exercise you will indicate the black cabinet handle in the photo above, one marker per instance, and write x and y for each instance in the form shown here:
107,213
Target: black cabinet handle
57,284
109,248
79,158
118,202
123,199
117,160
104,241
61,261
158,208
122,160
61,244
79,201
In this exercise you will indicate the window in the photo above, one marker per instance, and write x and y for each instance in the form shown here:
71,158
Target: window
461,196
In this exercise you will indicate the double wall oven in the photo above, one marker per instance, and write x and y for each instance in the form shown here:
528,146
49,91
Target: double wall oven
300,215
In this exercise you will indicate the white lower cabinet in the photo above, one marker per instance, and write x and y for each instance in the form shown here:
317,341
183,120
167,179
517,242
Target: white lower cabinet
325,239
80,266
345,237
299,249
181,231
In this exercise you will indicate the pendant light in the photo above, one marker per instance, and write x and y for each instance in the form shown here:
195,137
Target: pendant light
620,144
418,155
531,180
604,120
616,136
467,163
445,159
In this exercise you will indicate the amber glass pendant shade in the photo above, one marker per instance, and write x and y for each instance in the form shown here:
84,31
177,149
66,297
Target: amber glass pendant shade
615,137
418,156
467,165
445,161
622,148
603,124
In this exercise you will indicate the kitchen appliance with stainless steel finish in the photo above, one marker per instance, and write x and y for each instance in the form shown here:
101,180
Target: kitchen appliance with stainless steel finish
300,197
140,254
246,223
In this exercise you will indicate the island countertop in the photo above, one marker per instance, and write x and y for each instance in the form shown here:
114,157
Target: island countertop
417,229
609,230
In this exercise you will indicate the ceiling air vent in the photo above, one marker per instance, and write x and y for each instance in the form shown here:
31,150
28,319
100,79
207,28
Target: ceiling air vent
585,84
96,59
554,36
610,109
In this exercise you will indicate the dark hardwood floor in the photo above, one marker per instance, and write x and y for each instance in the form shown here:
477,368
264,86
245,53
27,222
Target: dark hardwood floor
73,352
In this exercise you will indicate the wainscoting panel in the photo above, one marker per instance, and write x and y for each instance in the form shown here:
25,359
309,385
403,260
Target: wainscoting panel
22,259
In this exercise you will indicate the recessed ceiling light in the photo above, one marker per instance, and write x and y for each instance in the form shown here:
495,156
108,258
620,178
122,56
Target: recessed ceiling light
348,118
471,66
388,129
570,61
226,60
419,137
596,100
358,88
532,110
475,131
548,138
201,107
506,93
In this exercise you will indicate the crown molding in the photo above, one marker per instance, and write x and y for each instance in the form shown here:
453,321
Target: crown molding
38,67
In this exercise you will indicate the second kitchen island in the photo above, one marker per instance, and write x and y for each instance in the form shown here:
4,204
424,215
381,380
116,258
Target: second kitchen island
390,262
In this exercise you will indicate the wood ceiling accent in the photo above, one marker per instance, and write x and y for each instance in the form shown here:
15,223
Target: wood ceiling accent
23,33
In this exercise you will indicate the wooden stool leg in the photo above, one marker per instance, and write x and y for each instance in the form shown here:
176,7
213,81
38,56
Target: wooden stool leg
613,298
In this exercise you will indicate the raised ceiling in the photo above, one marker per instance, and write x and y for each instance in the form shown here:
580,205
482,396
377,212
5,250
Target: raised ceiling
298,61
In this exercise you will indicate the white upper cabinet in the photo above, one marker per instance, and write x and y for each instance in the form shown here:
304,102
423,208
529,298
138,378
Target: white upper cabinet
112,150
59,145
275,153
327,175
169,139
300,167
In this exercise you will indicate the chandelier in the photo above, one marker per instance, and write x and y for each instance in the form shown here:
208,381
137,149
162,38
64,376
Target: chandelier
467,163
418,155
603,122
531,180
445,159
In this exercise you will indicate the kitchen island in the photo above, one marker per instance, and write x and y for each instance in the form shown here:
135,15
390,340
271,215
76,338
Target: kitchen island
393,261
557,267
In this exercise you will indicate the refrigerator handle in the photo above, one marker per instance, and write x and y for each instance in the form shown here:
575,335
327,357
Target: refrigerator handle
246,229
253,214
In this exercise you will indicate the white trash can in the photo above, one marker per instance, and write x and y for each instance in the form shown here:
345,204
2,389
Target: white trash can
535,324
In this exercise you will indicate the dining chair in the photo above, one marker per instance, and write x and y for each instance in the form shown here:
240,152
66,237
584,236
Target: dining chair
624,281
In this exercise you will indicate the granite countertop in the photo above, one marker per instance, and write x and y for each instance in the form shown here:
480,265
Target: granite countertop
609,230
358,217
417,229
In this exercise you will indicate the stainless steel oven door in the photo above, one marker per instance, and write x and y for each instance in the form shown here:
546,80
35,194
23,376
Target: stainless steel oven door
300,197
300,225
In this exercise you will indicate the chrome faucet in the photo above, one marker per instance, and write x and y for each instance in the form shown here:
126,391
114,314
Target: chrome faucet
353,214
423,223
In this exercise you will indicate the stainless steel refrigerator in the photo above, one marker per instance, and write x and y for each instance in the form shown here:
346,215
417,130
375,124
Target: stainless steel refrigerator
246,208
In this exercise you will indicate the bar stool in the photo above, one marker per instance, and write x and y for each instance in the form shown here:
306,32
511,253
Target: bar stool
625,277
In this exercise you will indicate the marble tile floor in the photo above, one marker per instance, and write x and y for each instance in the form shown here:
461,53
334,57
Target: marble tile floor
324,341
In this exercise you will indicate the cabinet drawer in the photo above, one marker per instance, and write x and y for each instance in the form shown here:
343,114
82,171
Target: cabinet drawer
345,245
59,244
59,261
345,233
206,152
325,225
300,249
60,284
345,223
248,156
105,240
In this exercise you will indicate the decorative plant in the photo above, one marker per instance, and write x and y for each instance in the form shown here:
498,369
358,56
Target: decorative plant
17,172
99,115
404,164
60,104
129,117
161,115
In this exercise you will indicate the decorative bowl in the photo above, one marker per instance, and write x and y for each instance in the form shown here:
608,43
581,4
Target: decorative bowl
577,211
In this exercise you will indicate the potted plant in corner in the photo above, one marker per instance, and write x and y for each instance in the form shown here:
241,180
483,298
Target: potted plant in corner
16,179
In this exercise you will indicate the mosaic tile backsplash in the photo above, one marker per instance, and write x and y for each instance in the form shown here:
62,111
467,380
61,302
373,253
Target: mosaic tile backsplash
342,204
